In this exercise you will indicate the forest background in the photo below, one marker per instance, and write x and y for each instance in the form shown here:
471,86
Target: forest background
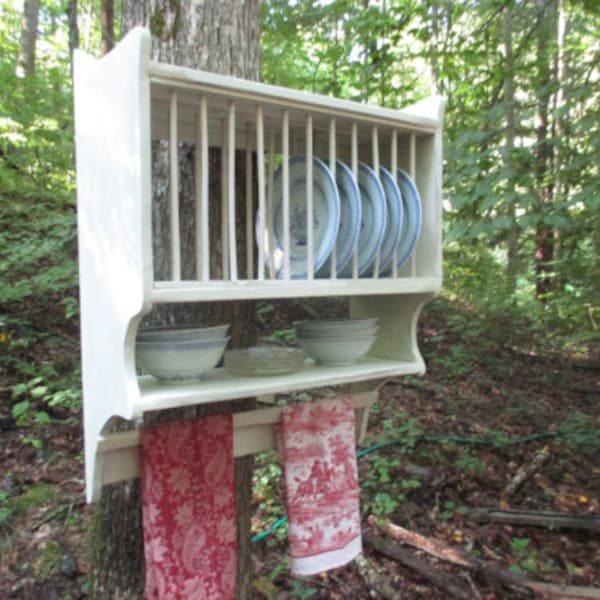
521,79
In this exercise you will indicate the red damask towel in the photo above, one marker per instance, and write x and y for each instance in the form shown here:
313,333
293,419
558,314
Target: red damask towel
189,509
317,447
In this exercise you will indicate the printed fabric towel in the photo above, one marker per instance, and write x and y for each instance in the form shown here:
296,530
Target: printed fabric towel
188,501
317,448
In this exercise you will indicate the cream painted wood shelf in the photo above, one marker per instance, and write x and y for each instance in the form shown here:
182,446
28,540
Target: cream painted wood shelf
124,103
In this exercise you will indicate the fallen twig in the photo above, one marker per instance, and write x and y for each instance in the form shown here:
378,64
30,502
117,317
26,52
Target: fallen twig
442,551
452,585
551,591
537,518
525,472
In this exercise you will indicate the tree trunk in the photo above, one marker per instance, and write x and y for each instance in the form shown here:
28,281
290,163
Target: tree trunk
73,29
107,25
31,9
511,127
220,36
544,239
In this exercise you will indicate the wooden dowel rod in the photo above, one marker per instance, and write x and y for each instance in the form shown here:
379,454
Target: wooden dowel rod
285,144
332,159
224,210
260,160
231,220
174,190
309,199
375,150
354,161
394,169
249,207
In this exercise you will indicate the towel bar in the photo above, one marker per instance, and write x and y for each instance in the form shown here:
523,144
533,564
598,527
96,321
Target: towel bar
253,431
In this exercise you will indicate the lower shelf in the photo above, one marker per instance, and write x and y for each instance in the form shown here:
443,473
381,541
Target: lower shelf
220,385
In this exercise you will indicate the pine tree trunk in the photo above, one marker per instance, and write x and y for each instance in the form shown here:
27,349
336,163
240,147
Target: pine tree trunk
220,36
29,27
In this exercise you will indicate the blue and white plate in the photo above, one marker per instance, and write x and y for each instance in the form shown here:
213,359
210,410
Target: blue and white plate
373,219
326,217
350,213
393,229
411,227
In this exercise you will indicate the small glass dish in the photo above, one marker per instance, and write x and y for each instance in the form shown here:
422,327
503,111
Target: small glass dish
260,361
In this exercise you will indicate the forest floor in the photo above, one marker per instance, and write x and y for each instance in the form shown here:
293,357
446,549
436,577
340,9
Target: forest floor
486,409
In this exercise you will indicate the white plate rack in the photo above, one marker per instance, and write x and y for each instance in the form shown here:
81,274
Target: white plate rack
124,102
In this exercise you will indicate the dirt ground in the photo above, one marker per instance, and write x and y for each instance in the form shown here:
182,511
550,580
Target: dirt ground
484,411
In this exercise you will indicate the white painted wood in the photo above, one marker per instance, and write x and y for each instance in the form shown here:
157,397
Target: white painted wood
394,171
174,190
260,168
112,135
354,163
231,221
310,254
253,432
224,201
285,174
375,154
332,159
124,100
219,385
271,172
249,207
204,213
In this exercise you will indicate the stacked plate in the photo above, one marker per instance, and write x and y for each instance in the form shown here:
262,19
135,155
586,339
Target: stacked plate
372,213
179,355
336,342
264,361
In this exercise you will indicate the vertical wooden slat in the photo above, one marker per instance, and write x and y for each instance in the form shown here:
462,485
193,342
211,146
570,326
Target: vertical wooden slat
354,160
249,182
233,270
224,211
174,190
310,258
260,167
201,192
271,171
332,159
394,168
412,171
375,150
285,149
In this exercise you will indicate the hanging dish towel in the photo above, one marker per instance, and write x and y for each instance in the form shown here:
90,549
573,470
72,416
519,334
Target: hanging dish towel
188,504
317,448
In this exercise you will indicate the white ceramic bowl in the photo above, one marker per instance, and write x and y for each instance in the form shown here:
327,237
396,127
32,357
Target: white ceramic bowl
213,332
181,360
336,351
333,327
326,333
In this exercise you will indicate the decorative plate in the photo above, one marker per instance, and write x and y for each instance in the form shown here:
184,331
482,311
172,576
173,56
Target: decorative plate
393,229
411,226
350,213
373,219
326,217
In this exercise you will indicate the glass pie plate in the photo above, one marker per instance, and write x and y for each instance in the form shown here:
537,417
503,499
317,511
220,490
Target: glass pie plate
260,361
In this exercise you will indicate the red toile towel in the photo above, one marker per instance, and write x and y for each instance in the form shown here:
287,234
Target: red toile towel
189,509
317,447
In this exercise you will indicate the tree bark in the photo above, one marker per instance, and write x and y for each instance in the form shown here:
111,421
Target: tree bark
511,128
544,239
107,25
220,36
29,27
73,29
